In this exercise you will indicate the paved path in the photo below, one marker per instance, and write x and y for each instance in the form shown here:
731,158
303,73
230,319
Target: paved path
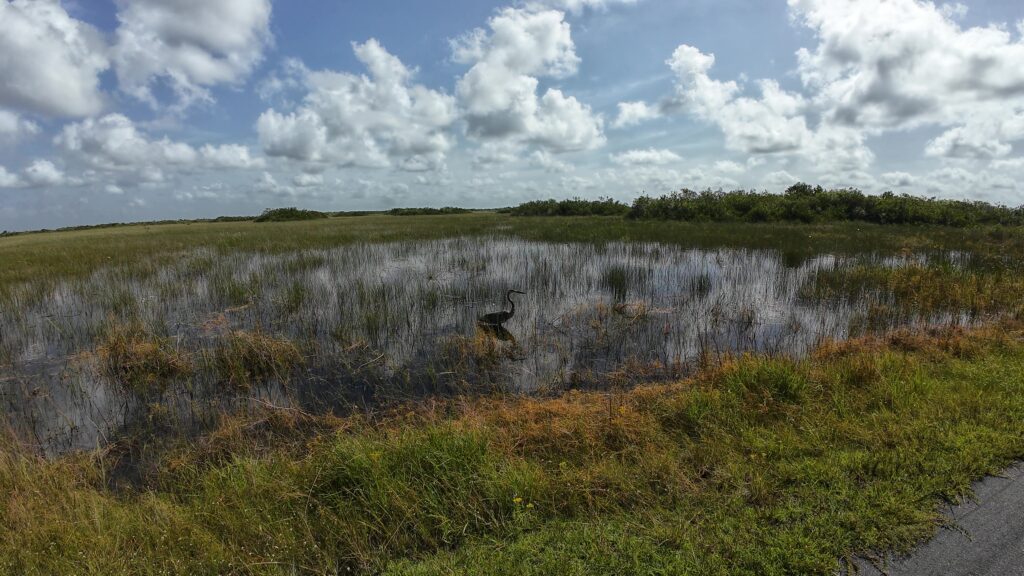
992,541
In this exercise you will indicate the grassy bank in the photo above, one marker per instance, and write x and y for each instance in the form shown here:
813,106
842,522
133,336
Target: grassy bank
758,466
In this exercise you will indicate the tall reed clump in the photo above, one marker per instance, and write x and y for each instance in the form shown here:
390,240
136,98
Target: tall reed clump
140,361
923,289
472,363
619,279
245,359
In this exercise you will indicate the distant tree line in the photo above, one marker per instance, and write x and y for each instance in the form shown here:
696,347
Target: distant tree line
290,215
806,203
354,213
293,214
573,207
428,211
81,228
800,203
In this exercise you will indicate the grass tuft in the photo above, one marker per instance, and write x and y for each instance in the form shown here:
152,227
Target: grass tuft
244,360
770,380
139,361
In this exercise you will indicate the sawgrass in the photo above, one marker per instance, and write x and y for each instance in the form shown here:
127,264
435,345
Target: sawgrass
143,248
141,362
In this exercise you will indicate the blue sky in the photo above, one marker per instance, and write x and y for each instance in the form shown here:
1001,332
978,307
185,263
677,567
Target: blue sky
125,110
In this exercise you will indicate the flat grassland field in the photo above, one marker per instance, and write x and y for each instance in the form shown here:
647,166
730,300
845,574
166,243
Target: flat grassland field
319,397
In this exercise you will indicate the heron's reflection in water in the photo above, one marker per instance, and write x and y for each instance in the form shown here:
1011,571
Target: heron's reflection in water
496,331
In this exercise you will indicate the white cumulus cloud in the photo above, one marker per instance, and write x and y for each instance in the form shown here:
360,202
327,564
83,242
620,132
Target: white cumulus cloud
779,180
649,157
729,167
546,161
114,143
497,153
893,63
577,6
379,120
634,113
8,180
190,44
308,180
875,67
772,123
982,136
13,127
43,173
115,149
229,156
499,94
49,62
884,65
898,179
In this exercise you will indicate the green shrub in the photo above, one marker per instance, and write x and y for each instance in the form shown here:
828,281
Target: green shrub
573,207
806,203
289,215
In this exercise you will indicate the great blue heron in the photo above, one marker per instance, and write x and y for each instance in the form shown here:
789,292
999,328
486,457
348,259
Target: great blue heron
499,318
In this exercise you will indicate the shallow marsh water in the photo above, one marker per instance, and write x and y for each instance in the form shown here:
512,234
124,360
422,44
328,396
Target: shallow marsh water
379,322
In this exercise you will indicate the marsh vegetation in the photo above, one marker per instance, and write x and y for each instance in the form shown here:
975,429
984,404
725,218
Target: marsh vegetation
367,325
317,396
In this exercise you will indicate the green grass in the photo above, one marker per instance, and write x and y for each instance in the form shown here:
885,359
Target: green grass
758,466
926,289
147,248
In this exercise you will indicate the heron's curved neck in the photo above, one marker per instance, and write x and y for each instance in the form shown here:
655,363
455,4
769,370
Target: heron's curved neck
508,297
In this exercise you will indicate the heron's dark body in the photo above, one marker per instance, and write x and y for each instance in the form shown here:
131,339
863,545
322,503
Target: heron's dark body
499,318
